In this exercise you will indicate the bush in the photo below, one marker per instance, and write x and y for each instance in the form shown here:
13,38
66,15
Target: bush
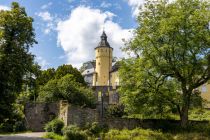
136,134
95,128
55,126
19,126
53,136
8,126
72,132
115,111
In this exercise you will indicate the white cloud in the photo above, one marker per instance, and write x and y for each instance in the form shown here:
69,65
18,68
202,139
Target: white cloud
50,21
46,16
45,6
42,62
80,34
105,4
135,4
2,7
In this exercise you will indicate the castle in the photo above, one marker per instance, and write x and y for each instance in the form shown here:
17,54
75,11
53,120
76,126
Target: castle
101,74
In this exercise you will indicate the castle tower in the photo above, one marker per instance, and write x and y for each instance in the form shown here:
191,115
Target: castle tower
103,53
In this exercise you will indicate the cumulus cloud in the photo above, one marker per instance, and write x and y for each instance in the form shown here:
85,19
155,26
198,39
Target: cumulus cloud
79,34
2,7
46,16
42,62
50,21
135,4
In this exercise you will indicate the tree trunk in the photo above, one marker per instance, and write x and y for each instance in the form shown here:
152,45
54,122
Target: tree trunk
184,117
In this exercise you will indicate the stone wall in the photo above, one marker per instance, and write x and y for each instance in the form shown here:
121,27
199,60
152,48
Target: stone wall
37,115
71,115
129,123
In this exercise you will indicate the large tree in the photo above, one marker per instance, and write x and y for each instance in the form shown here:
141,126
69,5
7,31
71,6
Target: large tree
16,37
68,69
67,88
172,46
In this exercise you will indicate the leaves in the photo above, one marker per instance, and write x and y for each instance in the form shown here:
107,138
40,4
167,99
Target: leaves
16,37
173,44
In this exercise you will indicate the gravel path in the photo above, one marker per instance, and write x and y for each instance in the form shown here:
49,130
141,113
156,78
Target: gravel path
24,136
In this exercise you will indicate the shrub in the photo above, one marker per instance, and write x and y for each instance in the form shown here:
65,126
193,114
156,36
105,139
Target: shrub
95,128
136,134
55,126
9,126
115,111
53,136
72,132
19,126
6,127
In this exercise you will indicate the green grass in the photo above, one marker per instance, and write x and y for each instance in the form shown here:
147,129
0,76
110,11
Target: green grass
199,114
194,114
53,136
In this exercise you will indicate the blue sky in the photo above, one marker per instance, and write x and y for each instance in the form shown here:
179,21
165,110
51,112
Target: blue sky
67,31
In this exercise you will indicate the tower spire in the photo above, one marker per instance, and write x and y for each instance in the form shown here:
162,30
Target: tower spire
103,42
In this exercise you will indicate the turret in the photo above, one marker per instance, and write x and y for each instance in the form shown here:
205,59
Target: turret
103,53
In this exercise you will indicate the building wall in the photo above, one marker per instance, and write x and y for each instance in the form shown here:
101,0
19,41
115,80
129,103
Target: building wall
103,65
115,78
205,93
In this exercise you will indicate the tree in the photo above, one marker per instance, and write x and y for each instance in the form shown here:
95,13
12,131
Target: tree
172,42
45,76
67,88
68,69
16,37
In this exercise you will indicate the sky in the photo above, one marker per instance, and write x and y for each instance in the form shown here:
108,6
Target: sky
67,31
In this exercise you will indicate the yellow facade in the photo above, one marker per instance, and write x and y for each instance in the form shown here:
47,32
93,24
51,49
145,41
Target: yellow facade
103,66
205,93
115,79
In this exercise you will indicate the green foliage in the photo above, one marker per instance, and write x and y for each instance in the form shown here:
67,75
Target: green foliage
171,46
53,136
45,76
136,134
199,114
199,130
73,132
68,69
95,128
49,92
115,110
19,126
16,38
55,126
66,88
